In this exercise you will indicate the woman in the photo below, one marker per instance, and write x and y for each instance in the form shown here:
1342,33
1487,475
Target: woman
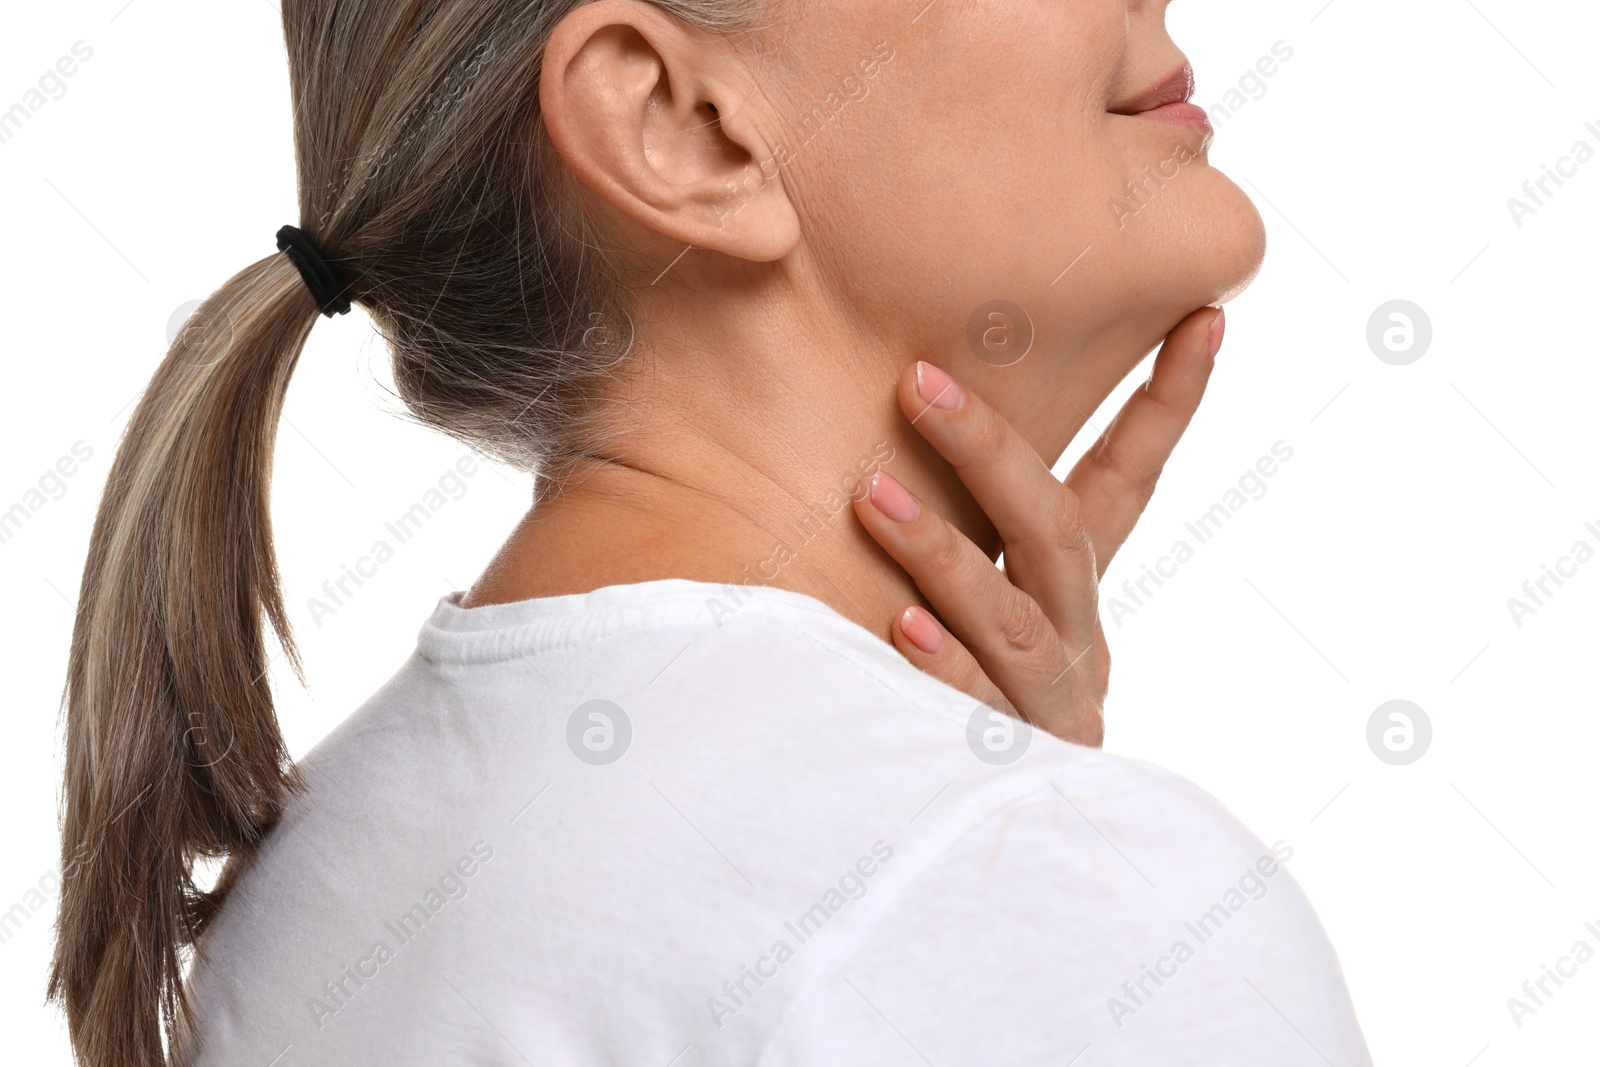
727,757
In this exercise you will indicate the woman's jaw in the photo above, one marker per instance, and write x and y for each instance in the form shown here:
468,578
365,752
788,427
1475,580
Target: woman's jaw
1034,159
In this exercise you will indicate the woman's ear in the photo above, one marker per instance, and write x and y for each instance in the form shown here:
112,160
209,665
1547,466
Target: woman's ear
656,119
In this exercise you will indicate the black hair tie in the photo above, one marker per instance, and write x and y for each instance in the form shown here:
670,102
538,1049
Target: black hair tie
317,272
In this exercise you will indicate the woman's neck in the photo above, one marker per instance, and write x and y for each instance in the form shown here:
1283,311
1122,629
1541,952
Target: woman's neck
740,472
699,512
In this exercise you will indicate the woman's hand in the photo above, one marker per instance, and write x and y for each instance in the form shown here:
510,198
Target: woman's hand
1028,640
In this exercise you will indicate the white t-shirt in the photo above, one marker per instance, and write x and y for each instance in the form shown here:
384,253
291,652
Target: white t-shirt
674,824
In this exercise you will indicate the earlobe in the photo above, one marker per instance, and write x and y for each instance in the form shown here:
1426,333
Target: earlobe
665,127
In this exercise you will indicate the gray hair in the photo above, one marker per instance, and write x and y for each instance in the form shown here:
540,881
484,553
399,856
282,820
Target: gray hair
428,181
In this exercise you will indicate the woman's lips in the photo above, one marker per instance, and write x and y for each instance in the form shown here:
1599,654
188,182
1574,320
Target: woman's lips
1178,113
1168,101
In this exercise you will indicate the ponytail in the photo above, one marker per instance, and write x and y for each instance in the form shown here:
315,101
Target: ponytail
173,752
422,159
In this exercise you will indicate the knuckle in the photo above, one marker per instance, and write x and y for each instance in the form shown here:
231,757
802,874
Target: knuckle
1063,528
944,554
989,435
1022,625
1140,486
1070,525
1122,472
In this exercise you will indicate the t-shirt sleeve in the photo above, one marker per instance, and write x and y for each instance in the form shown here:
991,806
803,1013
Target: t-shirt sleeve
1117,916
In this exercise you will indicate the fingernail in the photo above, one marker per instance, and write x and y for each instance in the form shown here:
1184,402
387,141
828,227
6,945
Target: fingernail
921,630
936,387
891,498
1219,326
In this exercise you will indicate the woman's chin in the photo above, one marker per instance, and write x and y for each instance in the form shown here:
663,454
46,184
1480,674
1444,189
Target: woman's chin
1236,240
1205,246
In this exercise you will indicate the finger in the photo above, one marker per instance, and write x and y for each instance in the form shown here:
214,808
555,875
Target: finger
924,641
1007,632
1048,549
1115,479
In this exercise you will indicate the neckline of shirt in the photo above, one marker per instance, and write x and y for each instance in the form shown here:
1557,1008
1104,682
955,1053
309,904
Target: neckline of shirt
508,630
454,636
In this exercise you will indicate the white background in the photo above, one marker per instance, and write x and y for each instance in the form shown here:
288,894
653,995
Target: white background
1377,566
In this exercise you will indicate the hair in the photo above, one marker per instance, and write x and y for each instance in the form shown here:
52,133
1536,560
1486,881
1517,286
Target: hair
427,180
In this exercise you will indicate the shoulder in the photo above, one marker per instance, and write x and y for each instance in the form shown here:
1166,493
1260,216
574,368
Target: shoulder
1115,905
774,787
1042,895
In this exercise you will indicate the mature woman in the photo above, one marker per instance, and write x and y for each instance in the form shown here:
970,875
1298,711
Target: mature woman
742,751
